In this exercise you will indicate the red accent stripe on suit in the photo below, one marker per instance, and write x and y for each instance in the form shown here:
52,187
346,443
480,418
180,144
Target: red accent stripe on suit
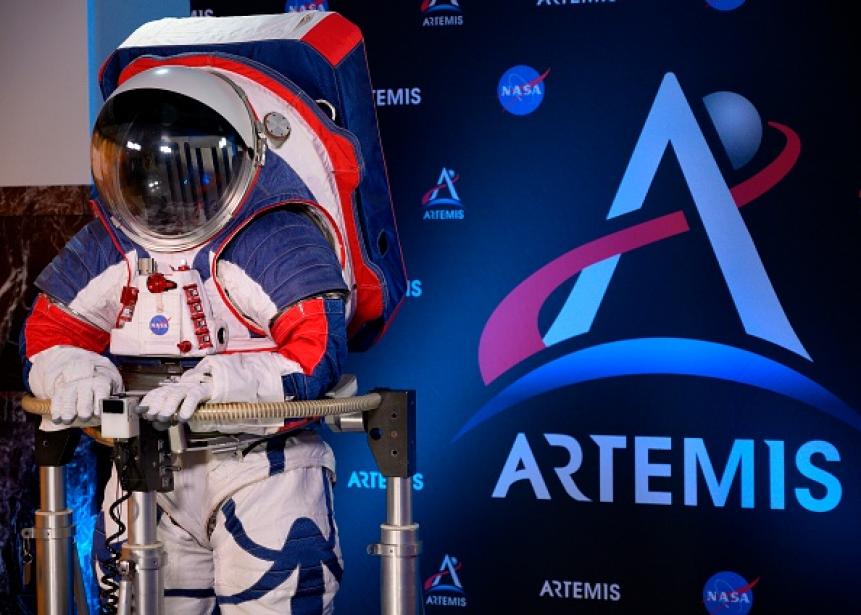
334,38
49,325
302,333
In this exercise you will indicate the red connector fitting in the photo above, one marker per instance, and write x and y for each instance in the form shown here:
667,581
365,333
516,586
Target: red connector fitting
157,283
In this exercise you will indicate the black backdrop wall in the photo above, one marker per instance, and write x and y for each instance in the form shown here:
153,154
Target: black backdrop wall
631,231
635,362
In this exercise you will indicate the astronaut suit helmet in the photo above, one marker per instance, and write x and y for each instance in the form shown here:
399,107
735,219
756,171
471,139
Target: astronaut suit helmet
173,155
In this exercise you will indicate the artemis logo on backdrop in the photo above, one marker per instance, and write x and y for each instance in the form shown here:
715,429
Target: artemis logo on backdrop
398,97
414,289
441,13
362,479
580,590
443,588
442,202
571,2
511,334
651,459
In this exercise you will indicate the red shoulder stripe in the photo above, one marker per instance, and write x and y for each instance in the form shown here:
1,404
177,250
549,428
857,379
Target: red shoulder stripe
49,325
302,333
334,37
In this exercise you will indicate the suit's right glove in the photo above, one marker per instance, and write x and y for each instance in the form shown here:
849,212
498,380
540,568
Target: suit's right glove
245,377
178,399
75,380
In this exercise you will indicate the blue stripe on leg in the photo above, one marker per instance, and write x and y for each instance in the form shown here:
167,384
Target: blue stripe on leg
304,548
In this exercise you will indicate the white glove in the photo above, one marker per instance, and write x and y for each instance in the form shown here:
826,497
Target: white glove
177,398
248,377
75,380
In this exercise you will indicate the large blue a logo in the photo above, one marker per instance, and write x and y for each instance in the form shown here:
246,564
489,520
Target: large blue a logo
671,123
511,334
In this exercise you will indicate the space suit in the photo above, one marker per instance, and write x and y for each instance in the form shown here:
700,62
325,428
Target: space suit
225,263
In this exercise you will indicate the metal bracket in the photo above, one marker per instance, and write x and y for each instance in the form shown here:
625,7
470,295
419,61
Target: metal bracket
144,557
56,448
384,549
391,429
397,541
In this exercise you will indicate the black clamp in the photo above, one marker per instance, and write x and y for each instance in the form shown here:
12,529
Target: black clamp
144,462
56,448
391,429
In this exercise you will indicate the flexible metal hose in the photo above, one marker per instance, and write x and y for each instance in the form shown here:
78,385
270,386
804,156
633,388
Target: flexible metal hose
226,412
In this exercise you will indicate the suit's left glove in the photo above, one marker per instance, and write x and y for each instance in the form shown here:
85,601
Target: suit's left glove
75,380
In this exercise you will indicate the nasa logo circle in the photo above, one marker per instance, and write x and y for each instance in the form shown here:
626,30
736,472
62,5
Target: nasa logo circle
298,6
725,5
728,593
521,89
159,325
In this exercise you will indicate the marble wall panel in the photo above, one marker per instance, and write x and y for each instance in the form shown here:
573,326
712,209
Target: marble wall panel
18,494
35,222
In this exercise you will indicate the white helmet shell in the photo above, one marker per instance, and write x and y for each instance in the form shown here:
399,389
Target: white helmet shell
210,88
174,152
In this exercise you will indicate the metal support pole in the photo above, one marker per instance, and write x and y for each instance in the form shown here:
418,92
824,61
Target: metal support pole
398,549
391,436
53,532
144,551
